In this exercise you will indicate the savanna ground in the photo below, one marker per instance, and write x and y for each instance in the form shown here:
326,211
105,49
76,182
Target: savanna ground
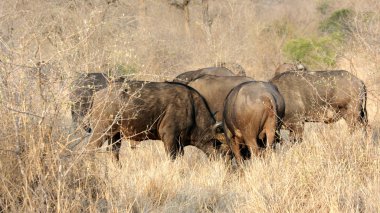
44,45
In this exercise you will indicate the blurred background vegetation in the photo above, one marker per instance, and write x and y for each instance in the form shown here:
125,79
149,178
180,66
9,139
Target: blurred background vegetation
46,44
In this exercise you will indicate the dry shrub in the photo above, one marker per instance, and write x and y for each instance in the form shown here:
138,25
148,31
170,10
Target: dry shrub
43,170
40,172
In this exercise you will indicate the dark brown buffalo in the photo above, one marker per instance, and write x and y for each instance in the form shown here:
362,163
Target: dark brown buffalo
215,89
252,117
172,112
321,96
81,96
290,67
186,77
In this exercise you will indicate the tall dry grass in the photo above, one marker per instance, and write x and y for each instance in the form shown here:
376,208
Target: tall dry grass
45,169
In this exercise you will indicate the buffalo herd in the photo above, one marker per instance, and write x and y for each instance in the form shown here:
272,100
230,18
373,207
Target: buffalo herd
223,113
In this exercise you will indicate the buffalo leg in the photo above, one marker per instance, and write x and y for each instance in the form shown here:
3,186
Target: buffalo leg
235,147
228,138
169,135
355,120
253,146
269,136
115,142
172,145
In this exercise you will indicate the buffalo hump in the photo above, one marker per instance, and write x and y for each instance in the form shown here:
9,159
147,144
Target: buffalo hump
285,67
189,76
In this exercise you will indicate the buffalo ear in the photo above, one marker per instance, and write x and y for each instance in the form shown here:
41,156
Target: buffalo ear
218,128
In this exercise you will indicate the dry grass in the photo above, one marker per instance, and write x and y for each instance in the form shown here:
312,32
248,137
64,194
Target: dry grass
317,175
42,171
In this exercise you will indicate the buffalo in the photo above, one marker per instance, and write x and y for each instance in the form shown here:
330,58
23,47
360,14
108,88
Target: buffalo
321,96
252,117
172,112
189,76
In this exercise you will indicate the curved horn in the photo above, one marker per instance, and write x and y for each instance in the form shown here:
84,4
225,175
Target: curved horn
218,127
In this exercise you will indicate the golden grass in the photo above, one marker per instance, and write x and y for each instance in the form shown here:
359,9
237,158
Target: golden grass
329,171
42,170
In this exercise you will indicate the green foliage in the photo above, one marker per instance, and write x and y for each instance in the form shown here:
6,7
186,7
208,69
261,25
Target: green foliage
297,49
338,23
322,50
316,51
